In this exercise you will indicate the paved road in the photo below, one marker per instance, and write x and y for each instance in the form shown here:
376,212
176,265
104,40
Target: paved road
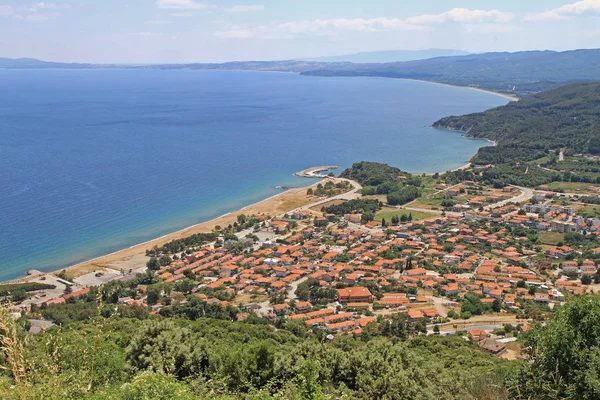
291,293
352,194
526,194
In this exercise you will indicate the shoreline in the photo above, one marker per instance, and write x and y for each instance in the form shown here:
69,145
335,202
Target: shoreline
505,95
287,200
280,203
130,256
127,253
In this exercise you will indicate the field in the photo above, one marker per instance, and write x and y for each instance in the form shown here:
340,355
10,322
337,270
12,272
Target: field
589,212
389,212
551,238
570,186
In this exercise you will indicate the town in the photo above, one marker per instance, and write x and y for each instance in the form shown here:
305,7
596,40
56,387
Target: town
468,259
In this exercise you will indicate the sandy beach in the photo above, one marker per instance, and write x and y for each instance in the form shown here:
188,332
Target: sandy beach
134,257
505,95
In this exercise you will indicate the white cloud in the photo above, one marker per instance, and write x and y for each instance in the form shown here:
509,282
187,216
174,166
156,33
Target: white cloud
580,8
463,15
36,17
159,22
182,14
234,34
6,11
240,9
333,27
52,6
182,4
320,27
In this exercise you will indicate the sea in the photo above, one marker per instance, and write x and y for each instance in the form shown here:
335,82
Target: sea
93,161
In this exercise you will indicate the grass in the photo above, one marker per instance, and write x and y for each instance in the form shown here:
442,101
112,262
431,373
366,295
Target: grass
589,212
327,204
28,287
551,238
388,213
570,186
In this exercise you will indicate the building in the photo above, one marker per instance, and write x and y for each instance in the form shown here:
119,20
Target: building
355,294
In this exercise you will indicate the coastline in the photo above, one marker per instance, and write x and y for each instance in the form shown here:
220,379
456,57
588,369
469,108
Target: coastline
505,95
133,257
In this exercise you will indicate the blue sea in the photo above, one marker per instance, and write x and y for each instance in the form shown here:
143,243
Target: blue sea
93,161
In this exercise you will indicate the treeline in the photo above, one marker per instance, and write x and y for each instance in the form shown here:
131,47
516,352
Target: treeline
353,206
376,178
15,292
179,245
369,173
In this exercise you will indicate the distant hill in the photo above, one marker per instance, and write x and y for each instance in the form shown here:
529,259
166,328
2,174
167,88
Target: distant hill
520,73
31,63
390,56
525,130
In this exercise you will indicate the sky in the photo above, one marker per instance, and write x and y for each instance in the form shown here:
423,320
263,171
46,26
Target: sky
184,31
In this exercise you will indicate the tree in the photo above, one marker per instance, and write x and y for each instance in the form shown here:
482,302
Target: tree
164,260
565,353
586,279
161,346
309,192
395,220
436,329
153,294
153,264
497,305
185,285
237,247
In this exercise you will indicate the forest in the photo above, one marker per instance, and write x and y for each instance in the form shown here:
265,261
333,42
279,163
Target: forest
567,117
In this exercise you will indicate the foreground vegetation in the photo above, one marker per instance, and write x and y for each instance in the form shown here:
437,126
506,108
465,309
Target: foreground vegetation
111,357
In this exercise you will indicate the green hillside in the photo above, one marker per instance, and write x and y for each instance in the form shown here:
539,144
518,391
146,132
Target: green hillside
567,117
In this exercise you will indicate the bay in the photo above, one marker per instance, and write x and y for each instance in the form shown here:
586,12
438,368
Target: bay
93,161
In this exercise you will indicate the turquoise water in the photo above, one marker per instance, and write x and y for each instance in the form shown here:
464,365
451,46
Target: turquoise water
95,161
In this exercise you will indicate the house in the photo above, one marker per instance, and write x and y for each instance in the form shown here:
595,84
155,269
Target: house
415,272
302,306
477,335
492,346
541,298
415,314
280,226
357,294
354,218
281,309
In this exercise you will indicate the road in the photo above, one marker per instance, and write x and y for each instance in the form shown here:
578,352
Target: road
526,195
291,293
352,194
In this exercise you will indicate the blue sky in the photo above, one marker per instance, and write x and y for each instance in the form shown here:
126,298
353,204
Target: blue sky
154,31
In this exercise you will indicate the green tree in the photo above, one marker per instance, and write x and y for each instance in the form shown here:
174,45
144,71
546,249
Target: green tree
565,353
163,347
153,264
164,260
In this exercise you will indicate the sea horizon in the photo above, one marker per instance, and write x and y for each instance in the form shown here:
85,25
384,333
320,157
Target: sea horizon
92,215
